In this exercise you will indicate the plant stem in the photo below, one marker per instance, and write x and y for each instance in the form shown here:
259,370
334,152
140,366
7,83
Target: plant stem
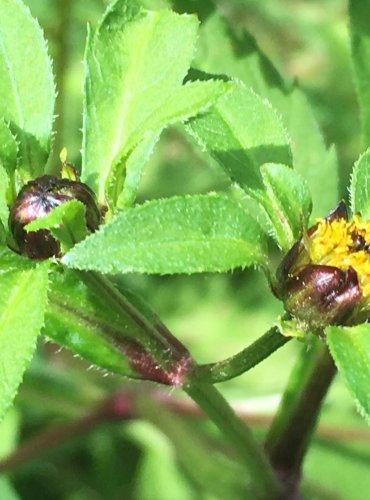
243,361
205,395
121,406
262,477
297,416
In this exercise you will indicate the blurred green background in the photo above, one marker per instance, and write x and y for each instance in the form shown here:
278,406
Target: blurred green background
214,315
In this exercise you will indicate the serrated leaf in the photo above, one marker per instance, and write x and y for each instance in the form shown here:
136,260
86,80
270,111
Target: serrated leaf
350,348
22,303
360,186
26,87
135,48
233,51
204,233
287,202
192,98
311,158
66,222
360,41
242,132
134,168
8,148
4,211
10,261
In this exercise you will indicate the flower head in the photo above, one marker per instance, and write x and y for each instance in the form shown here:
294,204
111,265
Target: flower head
325,278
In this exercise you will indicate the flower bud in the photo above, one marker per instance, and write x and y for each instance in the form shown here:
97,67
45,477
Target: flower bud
321,295
36,199
324,278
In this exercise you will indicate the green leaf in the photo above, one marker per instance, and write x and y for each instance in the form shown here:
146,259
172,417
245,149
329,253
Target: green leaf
350,348
131,72
242,132
311,158
224,48
287,201
134,168
8,148
22,303
26,87
204,233
192,98
360,186
360,41
185,102
10,261
4,211
66,222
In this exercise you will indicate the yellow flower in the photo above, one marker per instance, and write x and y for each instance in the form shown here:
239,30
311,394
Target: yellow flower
343,244
325,278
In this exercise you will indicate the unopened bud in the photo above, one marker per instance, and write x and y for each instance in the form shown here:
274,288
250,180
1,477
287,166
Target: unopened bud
35,200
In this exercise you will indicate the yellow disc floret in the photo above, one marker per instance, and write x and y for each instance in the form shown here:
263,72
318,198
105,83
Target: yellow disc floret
343,244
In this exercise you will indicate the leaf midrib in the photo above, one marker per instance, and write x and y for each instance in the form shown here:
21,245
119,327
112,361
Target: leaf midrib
128,82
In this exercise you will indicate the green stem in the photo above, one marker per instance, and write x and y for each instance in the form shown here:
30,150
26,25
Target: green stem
246,359
297,416
205,395
262,477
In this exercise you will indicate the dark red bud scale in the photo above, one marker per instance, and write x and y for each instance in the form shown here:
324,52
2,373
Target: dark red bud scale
39,197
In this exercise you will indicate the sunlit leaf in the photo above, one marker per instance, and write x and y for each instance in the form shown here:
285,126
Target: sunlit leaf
27,91
177,235
4,211
242,132
132,89
224,48
8,148
22,303
360,186
287,202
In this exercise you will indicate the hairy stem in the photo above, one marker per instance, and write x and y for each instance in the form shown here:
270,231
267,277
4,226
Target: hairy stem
297,416
243,361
